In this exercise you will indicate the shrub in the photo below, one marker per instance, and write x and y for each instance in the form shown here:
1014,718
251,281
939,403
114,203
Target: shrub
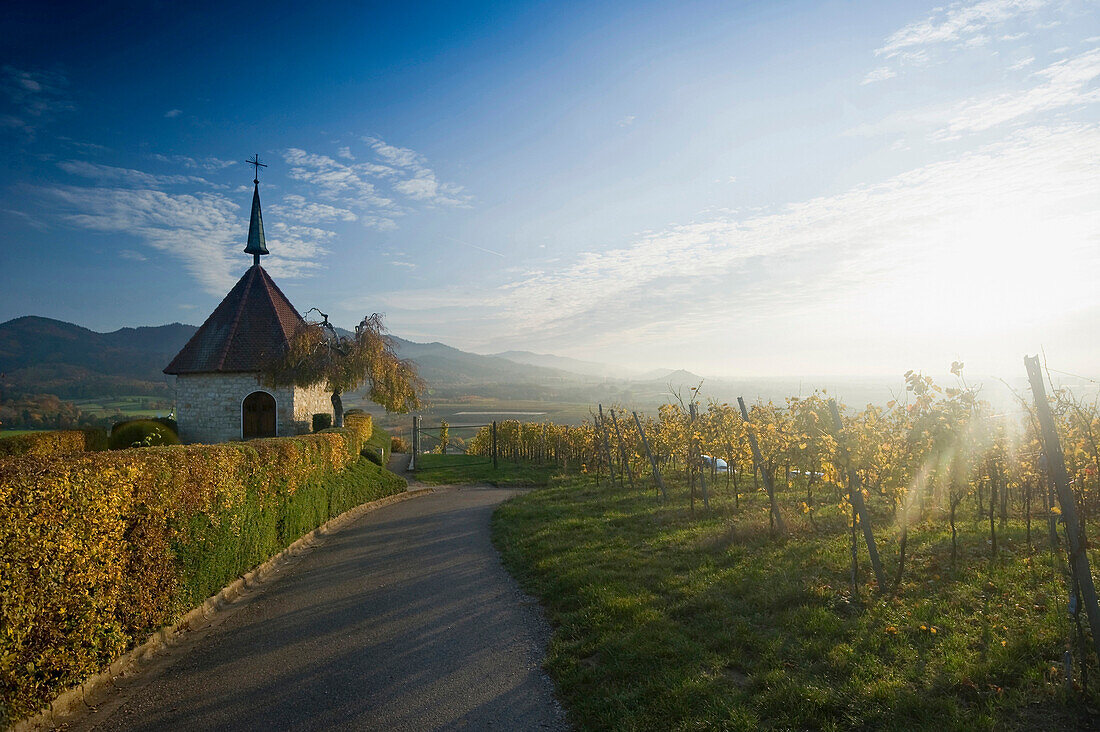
141,433
99,549
55,442
398,444
373,454
361,422
322,421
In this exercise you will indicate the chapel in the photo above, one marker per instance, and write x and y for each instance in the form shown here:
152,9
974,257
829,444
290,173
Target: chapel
220,395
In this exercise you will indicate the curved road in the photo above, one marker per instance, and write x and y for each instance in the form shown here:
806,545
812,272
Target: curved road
404,620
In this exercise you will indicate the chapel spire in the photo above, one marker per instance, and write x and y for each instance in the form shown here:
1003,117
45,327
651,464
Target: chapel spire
257,244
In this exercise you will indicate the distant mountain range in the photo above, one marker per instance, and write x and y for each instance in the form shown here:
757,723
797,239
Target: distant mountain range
41,355
45,356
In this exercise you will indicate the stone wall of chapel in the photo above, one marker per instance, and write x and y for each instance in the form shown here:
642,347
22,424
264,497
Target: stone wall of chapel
208,406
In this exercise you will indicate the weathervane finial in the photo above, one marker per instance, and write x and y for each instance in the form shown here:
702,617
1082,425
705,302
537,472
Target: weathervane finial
254,161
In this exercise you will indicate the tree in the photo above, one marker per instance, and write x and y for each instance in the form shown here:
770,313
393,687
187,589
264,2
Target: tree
317,354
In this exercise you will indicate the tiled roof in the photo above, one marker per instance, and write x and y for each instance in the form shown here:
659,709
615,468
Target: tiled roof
253,324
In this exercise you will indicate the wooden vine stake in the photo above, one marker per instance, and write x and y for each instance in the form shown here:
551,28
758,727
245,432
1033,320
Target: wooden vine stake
758,464
622,450
855,497
607,449
698,451
652,460
1056,469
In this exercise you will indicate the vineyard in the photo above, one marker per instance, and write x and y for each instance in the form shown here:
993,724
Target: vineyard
934,488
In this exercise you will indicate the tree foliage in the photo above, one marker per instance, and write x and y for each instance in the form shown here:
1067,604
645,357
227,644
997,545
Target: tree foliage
317,354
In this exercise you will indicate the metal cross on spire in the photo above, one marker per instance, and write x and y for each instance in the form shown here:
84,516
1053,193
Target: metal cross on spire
254,161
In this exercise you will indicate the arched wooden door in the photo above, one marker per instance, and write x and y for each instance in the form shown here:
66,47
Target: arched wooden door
258,415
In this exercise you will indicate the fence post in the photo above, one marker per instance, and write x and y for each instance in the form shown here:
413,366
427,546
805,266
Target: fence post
652,459
415,442
1056,468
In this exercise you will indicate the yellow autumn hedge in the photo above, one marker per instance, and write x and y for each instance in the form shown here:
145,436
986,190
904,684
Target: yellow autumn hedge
53,442
361,422
99,549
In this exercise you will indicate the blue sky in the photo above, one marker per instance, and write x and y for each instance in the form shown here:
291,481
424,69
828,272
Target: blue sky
734,188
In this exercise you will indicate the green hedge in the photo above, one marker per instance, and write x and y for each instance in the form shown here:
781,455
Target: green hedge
54,442
99,549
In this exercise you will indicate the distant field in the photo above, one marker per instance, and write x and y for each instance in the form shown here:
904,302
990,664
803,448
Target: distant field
476,411
130,405
15,433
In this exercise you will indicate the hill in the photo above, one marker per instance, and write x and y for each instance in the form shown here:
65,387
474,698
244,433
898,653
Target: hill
562,363
42,355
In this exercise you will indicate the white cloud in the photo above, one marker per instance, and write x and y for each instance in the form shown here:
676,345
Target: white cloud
1022,63
627,120
402,157
1065,83
129,176
960,22
173,113
204,231
311,212
346,183
201,230
345,152
403,170
933,252
207,163
880,74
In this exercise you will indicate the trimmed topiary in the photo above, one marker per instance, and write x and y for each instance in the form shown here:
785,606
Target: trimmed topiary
141,433
322,421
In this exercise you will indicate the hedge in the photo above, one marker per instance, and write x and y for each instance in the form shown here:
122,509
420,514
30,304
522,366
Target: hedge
53,442
361,422
97,550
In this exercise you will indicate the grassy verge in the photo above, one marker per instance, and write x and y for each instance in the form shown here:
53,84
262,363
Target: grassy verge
671,619
380,439
458,469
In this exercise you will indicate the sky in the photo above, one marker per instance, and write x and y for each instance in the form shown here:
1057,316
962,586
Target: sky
735,188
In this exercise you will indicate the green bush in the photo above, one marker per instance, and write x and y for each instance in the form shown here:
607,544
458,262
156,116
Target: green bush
97,550
141,433
373,454
322,421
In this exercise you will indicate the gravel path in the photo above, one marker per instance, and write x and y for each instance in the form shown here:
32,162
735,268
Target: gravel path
405,620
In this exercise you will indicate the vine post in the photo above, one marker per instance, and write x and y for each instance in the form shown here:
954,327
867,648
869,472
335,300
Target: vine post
1056,469
652,460
758,465
855,496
